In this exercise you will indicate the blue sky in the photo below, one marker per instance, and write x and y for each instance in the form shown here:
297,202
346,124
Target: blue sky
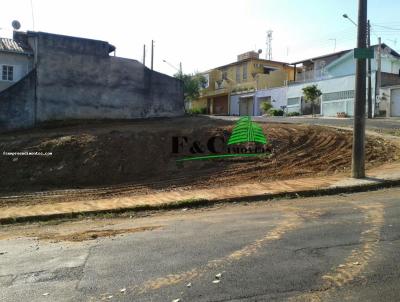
208,33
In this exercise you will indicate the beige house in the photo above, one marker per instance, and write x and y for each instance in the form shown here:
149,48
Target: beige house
248,73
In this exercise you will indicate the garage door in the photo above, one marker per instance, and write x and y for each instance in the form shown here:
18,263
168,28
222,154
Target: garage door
246,107
220,105
395,102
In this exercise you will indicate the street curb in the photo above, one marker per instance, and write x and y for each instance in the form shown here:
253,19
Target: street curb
197,203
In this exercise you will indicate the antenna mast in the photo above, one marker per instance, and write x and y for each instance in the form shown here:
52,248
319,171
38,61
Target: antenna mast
268,53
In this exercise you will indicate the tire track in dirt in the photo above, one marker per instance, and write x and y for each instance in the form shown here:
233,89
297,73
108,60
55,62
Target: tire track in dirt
298,151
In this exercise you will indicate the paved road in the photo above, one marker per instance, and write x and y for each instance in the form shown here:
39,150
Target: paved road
379,123
339,248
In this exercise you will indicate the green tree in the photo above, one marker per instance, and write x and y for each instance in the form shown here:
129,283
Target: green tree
311,94
192,84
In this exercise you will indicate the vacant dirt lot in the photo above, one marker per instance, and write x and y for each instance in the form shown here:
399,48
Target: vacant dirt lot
137,156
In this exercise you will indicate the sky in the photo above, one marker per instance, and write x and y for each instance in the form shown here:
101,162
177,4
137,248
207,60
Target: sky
208,33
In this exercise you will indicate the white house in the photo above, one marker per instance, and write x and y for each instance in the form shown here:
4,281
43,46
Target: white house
16,60
250,103
335,76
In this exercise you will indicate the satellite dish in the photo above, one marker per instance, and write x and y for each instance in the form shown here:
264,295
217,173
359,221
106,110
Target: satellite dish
16,25
260,51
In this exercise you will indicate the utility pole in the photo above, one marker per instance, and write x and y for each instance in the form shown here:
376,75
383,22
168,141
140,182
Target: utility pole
379,71
369,74
144,54
180,68
152,53
358,152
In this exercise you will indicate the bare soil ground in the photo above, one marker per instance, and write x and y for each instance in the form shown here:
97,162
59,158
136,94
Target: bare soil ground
102,159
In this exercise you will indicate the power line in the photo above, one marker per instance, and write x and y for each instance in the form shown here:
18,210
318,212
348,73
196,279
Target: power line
386,27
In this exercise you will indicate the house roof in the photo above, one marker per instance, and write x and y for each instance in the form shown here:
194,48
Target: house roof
251,59
383,45
323,56
12,46
392,52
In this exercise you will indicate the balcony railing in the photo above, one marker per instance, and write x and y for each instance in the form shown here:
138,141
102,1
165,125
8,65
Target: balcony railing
311,76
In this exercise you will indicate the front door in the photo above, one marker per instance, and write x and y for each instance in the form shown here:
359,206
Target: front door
395,102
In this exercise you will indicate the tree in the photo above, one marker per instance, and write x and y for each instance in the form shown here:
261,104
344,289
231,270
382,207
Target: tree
311,94
192,84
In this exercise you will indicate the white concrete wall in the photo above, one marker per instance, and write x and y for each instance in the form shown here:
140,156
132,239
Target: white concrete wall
332,85
278,98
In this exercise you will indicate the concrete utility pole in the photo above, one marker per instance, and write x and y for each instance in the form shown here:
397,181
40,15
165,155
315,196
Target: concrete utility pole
379,71
369,74
152,53
144,54
358,152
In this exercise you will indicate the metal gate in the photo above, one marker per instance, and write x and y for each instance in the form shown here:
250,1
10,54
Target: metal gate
246,106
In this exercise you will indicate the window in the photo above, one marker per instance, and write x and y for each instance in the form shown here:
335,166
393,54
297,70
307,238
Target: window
207,82
293,101
244,72
225,75
340,95
8,73
237,73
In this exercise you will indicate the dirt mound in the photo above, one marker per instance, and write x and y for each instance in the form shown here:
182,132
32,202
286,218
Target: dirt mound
142,156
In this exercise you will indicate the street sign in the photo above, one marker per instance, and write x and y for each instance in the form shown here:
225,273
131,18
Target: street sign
364,53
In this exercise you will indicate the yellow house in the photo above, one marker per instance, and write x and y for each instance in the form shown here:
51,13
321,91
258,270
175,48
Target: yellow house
248,73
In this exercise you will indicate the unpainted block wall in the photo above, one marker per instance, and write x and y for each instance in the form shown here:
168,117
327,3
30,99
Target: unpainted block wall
17,104
77,79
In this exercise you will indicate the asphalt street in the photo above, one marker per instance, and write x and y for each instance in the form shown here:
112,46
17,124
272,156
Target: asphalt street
372,124
337,248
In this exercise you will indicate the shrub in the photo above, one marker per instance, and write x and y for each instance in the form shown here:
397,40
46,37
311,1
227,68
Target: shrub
293,114
197,111
275,112
265,106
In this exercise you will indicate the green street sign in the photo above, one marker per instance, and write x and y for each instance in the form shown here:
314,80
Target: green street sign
364,53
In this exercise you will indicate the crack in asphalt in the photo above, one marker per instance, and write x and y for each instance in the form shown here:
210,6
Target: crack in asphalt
83,266
344,245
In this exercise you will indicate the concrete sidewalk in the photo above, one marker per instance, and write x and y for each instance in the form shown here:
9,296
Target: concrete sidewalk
383,176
